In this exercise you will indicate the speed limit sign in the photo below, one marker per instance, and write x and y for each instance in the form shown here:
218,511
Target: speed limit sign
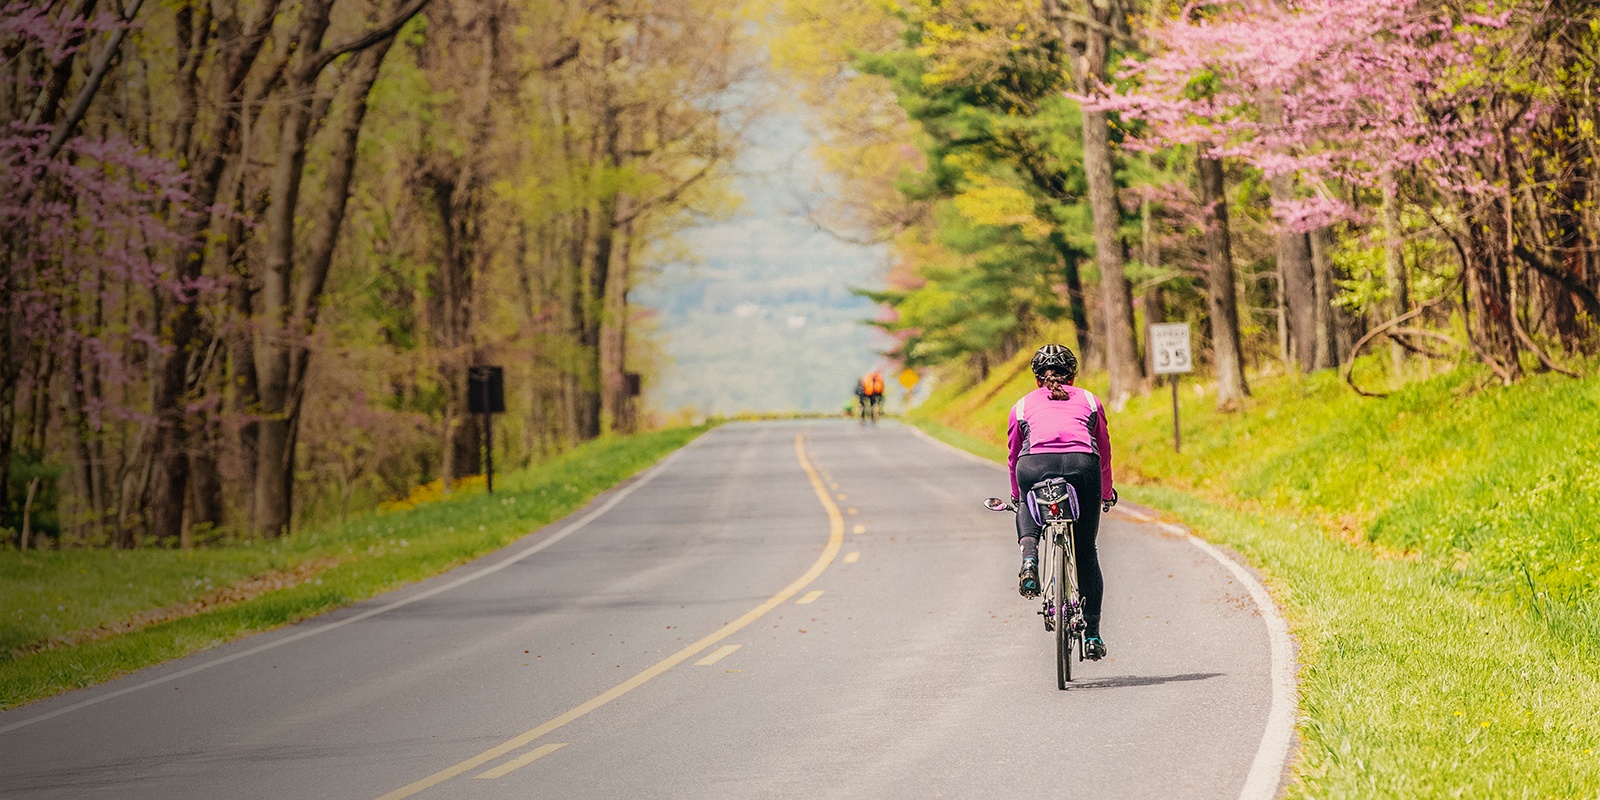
1169,355
1169,349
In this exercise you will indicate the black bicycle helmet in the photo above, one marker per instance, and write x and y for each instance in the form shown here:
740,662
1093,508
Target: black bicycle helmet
1058,358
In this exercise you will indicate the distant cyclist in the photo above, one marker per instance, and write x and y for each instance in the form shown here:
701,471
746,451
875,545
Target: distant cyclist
1059,431
870,392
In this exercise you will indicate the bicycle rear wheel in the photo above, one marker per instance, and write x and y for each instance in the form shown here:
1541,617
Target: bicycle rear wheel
1064,633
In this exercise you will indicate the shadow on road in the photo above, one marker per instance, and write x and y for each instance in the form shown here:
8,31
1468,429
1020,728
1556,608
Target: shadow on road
1125,681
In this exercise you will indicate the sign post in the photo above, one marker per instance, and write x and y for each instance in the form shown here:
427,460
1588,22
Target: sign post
1169,355
486,395
908,379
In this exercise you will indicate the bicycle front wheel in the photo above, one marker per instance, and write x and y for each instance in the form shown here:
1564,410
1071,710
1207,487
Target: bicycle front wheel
1064,633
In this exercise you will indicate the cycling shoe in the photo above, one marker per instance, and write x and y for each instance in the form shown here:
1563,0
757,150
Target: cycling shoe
1093,648
1028,578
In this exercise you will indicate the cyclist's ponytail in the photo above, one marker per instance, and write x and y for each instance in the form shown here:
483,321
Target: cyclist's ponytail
1056,383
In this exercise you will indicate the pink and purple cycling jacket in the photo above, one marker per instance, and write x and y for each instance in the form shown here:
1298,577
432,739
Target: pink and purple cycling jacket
1074,425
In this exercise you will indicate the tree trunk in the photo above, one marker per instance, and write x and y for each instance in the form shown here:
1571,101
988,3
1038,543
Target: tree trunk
1296,274
8,397
464,48
1327,318
1284,345
599,271
450,307
1299,292
208,159
1154,301
245,392
614,336
1394,266
289,307
1067,257
85,384
205,493
1088,51
1122,349
1222,295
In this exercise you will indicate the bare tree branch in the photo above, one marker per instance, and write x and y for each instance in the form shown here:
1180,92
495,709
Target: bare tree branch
1570,282
91,87
326,55
1385,328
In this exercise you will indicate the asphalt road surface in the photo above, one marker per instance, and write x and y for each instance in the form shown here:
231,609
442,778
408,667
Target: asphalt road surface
785,610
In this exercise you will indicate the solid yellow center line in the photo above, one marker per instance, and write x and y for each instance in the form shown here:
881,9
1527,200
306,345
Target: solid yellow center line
852,557
519,762
717,655
811,597
835,541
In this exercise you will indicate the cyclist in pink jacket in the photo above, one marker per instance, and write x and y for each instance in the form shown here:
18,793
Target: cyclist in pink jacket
1059,431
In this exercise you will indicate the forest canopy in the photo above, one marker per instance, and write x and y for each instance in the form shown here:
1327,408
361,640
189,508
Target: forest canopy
1388,187
253,246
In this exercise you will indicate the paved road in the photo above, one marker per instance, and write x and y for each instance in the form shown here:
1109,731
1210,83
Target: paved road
871,645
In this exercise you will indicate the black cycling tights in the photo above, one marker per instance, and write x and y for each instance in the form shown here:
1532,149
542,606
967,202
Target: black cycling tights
1082,470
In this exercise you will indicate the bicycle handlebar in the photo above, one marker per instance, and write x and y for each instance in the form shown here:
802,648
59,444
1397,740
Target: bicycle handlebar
996,504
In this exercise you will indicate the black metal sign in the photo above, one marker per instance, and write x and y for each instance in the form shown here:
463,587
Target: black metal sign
486,395
486,390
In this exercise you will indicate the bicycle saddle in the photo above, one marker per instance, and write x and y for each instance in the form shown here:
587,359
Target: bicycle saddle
1053,499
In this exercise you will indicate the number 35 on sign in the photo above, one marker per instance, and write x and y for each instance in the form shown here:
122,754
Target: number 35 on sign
1169,349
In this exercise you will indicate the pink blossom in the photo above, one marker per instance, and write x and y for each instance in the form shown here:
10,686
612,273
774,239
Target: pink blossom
1324,90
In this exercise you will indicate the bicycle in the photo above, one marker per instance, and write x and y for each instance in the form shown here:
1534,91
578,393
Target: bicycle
870,408
1054,503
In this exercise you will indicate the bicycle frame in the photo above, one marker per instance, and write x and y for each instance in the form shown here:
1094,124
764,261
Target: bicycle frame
1062,605
1059,536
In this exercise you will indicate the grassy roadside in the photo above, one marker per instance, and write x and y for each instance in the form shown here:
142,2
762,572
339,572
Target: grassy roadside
1423,548
76,618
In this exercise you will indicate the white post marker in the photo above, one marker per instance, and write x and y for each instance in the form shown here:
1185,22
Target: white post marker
1169,355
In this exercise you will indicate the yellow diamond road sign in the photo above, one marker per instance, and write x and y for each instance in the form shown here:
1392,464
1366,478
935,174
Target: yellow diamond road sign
908,378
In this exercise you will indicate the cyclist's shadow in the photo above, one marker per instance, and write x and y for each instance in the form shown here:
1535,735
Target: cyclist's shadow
1128,681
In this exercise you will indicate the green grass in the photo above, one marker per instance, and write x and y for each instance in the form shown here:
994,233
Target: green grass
1412,685
55,594
1435,552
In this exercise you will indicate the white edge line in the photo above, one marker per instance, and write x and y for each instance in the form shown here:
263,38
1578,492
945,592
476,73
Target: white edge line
544,542
1266,770
970,456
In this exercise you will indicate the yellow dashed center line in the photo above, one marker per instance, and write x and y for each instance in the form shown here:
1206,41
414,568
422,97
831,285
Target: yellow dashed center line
811,597
850,511
519,762
829,552
717,655
859,529
852,557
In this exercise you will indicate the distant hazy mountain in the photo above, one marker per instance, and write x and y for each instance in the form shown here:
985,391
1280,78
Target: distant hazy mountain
767,324
766,320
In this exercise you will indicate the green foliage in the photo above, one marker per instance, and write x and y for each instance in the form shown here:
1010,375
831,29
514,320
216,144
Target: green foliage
1002,183
45,518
